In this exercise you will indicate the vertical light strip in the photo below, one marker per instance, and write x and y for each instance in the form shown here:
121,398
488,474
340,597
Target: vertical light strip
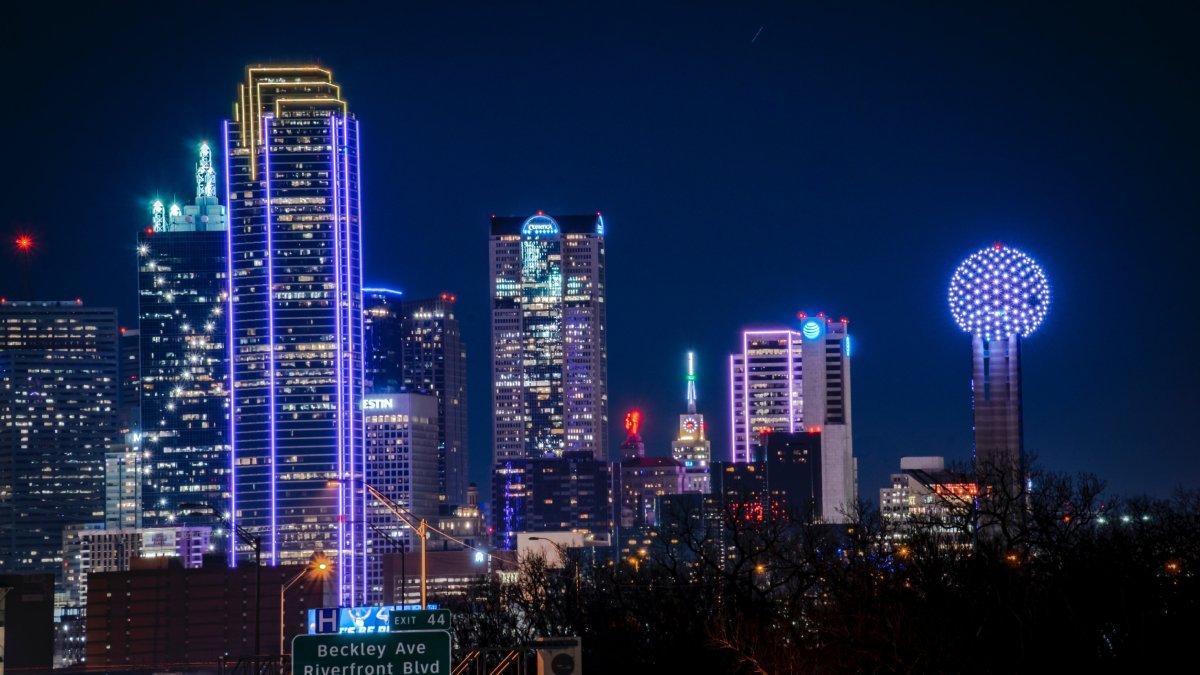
267,119
232,541
746,395
348,280
362,338
791,373
337,359
733,407
348,285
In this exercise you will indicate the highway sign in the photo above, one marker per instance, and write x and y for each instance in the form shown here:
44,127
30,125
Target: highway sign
421,619
424,652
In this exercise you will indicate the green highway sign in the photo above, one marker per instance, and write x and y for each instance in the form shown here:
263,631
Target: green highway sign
407,653
420,619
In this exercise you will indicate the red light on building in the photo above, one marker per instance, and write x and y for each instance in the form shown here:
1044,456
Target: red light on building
24,243
961,490
801,315
149,230
633,422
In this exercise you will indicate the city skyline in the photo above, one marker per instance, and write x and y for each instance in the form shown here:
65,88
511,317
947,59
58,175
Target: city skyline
1052,203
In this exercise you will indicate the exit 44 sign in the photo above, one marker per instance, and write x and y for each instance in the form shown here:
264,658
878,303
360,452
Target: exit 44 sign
424,652
421,619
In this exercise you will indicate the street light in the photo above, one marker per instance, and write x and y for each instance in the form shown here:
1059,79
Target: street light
421,527
320,567
249,538
562,552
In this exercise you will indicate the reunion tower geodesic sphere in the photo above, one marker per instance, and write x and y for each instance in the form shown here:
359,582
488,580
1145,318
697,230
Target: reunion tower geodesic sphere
999,292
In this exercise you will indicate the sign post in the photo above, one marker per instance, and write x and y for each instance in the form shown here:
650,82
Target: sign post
416,652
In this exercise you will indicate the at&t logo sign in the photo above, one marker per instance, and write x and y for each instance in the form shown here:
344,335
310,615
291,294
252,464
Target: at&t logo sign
811,329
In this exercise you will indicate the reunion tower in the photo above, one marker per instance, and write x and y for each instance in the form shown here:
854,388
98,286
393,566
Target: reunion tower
1000,296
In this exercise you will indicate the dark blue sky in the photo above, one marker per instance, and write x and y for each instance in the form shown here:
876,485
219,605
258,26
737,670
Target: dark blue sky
845,160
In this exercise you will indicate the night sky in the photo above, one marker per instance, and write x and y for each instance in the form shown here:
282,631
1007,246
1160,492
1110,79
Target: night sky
751,162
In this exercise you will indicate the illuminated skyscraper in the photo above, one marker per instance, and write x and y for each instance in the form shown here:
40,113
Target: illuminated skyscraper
402,463
549,347
295,245
798,380
384,323
415,346
1000,296
691,448
183,290
58,417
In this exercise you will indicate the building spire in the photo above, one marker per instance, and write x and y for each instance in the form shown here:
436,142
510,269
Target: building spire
691,383
157,214
206,176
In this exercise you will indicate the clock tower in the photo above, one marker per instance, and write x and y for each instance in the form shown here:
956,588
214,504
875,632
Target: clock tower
691,448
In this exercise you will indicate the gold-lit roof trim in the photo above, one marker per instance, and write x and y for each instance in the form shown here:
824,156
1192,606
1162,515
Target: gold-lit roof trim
308,100
248,111
257,105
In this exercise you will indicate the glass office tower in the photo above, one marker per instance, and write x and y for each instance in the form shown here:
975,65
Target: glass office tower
549,346
183,292
416,346
295,242
58,417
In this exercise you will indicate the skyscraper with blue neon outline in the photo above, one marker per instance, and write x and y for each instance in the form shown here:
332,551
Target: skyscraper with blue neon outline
296,320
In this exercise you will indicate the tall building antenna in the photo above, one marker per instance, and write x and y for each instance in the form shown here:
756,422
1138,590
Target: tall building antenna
159,216
691,383
206,176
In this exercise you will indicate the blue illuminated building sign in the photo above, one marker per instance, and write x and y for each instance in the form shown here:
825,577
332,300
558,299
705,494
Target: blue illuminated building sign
812,329
540,226
356,620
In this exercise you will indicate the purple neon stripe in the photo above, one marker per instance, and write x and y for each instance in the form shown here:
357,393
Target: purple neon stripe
362,343
337,355
791,406
732,408
348,289
232,357
356,544
347,419
355,464
271,333
746,395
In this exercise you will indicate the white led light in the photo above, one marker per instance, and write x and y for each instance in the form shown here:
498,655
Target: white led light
999,292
